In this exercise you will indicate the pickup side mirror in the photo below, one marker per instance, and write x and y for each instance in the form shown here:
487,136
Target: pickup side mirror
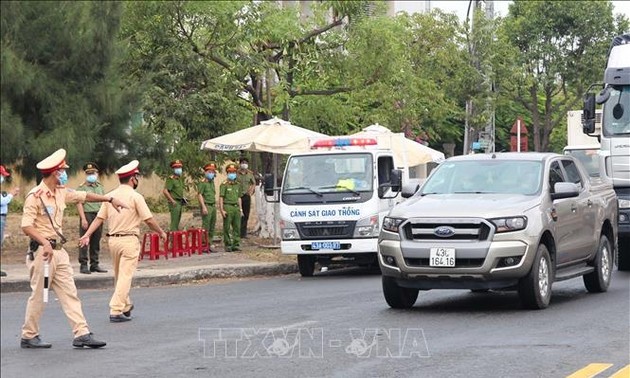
565,190
408,190
588,112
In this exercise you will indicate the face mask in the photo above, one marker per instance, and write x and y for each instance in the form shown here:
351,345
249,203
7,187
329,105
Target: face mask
231,176
244,166
177,171
91,179
1,179
209,176
63,178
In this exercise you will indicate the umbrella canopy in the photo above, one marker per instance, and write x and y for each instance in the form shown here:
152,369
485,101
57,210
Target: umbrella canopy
405,150
275,135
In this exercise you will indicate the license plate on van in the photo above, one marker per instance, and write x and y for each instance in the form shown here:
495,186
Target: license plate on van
442,257
334,245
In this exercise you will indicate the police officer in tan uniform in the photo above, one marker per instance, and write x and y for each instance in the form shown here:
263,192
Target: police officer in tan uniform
124,231
42,220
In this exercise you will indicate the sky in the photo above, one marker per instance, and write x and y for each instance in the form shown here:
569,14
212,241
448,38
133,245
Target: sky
460,7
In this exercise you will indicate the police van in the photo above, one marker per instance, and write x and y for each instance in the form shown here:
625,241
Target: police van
333,200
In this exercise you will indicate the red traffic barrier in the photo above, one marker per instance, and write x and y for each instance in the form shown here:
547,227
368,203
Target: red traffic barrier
151,246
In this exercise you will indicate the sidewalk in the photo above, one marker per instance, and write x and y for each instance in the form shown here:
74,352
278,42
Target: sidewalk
178,270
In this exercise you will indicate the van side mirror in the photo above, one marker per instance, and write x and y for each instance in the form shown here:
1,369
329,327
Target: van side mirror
269,184
588,112
396,180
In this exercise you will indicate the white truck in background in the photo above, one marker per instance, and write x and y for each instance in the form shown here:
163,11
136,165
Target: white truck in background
615,134
583,146
333,200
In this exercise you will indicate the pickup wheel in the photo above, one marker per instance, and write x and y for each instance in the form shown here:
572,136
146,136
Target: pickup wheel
535,288
599,280
396,296
306,265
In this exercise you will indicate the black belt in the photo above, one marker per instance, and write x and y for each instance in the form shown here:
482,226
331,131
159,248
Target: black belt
120,235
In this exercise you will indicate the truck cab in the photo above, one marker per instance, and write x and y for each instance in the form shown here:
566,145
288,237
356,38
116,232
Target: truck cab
615,135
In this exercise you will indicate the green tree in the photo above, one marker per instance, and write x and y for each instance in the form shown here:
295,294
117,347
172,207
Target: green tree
60,83
559,49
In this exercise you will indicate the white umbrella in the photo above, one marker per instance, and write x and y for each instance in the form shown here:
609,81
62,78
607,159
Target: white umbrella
405,150
275,135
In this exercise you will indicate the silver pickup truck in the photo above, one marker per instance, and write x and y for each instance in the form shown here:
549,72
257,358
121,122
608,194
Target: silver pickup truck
500,221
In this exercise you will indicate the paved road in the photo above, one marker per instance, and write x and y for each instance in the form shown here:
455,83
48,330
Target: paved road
334,325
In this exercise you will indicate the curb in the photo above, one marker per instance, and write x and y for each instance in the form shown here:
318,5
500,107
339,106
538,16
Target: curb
169,278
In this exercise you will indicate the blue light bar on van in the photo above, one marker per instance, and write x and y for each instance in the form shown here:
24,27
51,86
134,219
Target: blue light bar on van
344,142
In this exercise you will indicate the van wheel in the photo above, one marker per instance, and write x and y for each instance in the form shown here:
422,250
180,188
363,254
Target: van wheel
306,265
535,288
396,296
599,280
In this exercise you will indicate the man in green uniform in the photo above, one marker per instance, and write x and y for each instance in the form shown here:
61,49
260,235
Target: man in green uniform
87,214
206,194
247,182
231,209
174,193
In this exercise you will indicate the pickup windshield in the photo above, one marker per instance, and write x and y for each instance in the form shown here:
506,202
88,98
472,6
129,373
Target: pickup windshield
485,176
326,173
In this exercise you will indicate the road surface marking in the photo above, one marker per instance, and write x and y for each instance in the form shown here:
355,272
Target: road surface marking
623,373
590,370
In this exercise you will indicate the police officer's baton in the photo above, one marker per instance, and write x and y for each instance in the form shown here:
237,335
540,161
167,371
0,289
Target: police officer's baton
46,275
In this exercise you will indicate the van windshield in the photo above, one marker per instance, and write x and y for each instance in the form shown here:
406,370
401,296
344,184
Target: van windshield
327,173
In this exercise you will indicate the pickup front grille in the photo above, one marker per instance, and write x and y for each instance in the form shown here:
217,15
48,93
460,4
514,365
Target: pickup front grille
467,230
326,230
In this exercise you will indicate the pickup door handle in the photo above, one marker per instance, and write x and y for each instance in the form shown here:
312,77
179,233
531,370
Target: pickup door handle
589,203
573,207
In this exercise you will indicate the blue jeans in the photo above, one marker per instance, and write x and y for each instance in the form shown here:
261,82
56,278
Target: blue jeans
3,222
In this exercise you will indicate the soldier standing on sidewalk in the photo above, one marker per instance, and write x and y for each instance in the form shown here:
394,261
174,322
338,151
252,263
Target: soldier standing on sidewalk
206,194
124,231
248,184
87,214
42,221
231,209
174,193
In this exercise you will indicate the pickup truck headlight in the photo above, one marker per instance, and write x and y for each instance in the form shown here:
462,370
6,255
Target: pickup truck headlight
367,227
392,224
509,224
288,231
624,203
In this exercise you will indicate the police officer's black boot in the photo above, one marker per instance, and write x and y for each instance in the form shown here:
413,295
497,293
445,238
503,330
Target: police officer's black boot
84,269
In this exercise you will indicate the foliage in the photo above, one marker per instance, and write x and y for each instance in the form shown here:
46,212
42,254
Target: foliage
559,49
60,85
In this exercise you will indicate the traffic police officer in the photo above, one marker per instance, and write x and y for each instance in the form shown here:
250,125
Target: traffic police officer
174,193
248,184
231,209
87,213
206,194
124,231
42,220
